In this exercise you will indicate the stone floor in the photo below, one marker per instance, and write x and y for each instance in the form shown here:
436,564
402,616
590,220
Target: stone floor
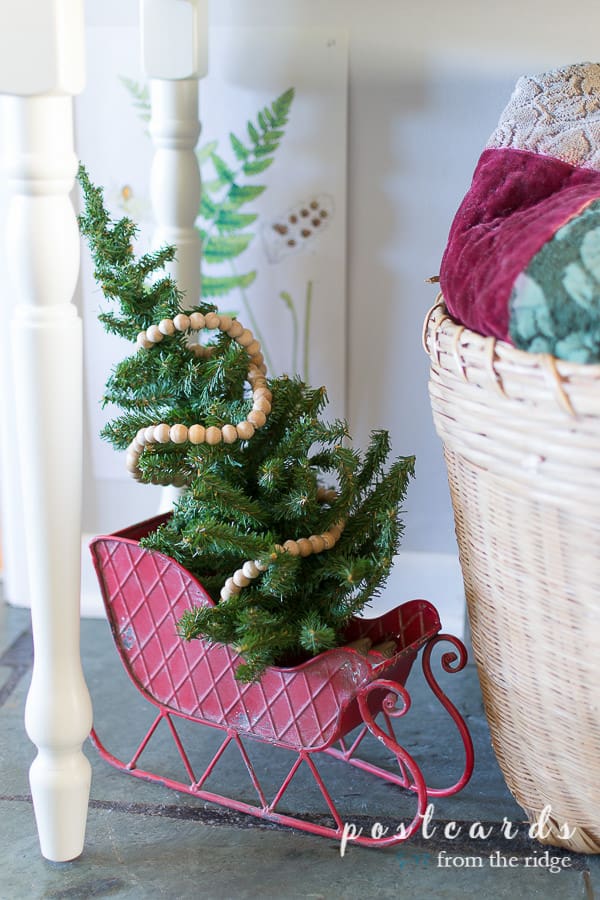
145,841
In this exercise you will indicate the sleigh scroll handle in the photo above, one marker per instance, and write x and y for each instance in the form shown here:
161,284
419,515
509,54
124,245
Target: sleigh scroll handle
451,662
413,777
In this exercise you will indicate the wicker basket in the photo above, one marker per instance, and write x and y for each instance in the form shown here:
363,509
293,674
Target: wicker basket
521,435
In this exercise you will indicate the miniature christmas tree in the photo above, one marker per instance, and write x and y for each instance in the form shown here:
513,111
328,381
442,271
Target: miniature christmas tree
287,558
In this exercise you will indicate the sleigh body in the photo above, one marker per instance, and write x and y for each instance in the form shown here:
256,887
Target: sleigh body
310,708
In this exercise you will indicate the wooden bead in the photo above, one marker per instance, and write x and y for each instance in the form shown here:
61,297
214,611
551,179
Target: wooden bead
262,391
162,434
181,322
230,434
292,548
257,418
154,334
141,437
212,320
231,586
304,547
131,462
225,594
166,327
245,338
245,430
317,543
225,323
262,404
328,540
250,569
178,434
240,579
213,436
253,348
260,565
197,434
235,330
197,321
142,341
149,434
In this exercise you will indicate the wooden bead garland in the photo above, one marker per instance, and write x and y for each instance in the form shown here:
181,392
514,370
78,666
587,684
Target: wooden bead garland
316,543
229,433
199,434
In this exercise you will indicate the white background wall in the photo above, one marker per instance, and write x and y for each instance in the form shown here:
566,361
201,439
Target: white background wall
427,83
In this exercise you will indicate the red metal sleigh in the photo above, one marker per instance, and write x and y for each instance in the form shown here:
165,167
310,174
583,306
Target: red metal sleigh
310,709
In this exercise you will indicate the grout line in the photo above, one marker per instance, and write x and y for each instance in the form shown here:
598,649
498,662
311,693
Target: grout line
18,658
520,847
17,672
20,652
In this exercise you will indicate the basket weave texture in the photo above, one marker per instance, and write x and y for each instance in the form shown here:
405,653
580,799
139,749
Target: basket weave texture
521,437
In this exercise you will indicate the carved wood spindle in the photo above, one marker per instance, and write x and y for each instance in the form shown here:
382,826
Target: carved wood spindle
41,68
174,56
175,178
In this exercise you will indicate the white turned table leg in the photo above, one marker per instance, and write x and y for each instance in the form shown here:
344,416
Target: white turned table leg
175,178
41,68
174,56
175,191
43,258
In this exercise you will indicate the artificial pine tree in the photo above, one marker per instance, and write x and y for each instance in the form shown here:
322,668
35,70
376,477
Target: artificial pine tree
287,558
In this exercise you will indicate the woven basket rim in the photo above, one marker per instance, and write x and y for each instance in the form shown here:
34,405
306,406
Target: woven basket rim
503,348
491,361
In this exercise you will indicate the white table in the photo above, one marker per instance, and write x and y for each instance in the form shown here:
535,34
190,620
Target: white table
41,70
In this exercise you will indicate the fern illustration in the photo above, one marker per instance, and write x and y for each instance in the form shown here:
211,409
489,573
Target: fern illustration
223,210
228,188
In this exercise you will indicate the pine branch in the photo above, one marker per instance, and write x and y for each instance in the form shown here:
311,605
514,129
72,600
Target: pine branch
245,499
120,276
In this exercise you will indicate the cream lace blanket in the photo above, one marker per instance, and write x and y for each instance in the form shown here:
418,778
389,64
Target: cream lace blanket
556,113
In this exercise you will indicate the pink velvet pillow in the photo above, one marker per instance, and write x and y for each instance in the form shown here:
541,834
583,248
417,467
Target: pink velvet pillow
540,171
